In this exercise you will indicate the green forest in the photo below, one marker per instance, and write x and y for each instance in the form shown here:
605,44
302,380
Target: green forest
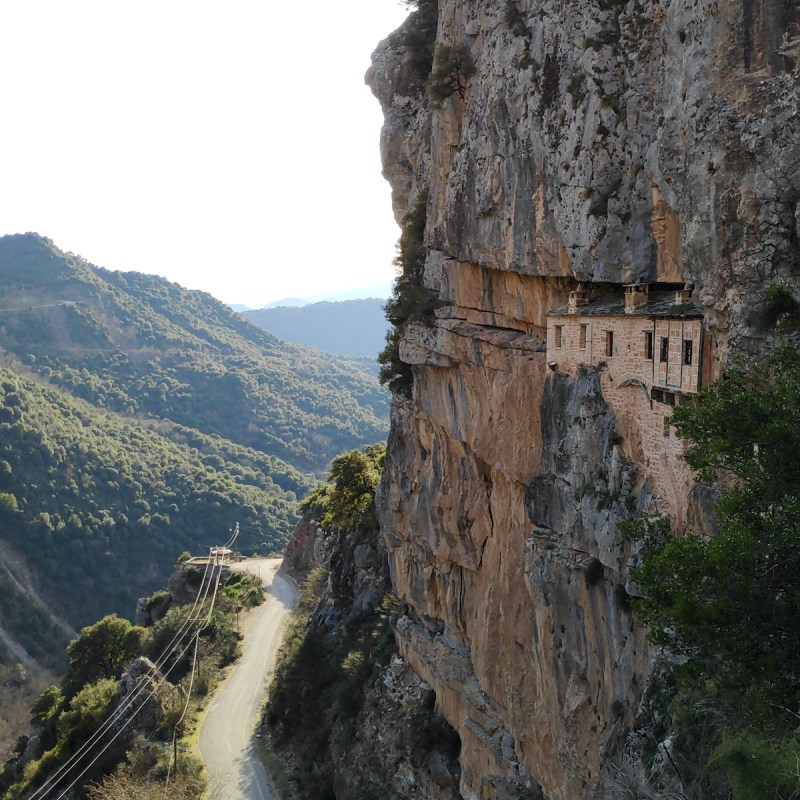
139,419
140,345
88,734
726,608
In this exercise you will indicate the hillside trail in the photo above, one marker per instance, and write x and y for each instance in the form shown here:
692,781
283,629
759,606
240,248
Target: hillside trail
227,738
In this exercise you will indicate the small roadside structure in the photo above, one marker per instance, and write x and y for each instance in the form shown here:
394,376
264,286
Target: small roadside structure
222,554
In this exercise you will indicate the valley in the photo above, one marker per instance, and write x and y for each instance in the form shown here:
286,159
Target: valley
138,420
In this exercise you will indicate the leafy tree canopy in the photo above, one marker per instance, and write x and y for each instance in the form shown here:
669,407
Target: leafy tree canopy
731,604
347,501
141,345
101,651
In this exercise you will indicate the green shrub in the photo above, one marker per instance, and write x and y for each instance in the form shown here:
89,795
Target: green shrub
8,502
453,66
101,651
48,704
418,35
757,769
729,606
780,309
411,300
348,501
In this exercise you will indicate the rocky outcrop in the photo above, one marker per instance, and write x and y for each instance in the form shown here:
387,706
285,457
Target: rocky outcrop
142,693
403,750
609,142
376,733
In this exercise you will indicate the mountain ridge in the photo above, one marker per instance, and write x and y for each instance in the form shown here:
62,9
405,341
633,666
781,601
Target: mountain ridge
355,328
139,419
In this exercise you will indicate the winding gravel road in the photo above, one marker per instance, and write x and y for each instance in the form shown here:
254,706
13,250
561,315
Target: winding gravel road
226,738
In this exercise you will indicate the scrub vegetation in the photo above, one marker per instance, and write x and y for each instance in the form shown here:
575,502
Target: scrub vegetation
139,419
728,607
324,665
135,764
411,300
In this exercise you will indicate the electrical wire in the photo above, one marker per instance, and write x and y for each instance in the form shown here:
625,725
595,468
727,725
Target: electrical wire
133,715
123,707
191,681
186,706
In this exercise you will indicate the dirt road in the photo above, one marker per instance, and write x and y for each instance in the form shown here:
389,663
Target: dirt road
226,738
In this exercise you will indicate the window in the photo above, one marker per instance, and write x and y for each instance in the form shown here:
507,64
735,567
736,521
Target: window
559,335
648,345
609,343
687,352
582,339
664,349
666,426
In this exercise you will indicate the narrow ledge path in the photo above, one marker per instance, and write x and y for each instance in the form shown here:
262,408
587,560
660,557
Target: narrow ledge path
227,741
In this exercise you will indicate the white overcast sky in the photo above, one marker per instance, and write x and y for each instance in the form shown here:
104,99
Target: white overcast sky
229,146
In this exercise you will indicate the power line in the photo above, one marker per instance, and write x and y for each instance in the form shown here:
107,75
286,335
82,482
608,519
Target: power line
130,719
191,679
123,707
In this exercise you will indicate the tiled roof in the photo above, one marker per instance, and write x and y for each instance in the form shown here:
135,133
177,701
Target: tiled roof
659,304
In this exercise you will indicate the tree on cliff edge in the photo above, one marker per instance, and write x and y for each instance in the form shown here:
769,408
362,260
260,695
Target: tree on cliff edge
730,606
101,651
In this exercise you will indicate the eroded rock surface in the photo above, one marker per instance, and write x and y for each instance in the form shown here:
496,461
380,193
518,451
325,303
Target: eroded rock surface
605,143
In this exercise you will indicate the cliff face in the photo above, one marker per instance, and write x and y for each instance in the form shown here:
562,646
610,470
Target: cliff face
369,725
603,143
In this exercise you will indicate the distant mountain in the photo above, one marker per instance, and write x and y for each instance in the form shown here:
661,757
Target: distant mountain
287,301
381,290
139,344
138,419
350,327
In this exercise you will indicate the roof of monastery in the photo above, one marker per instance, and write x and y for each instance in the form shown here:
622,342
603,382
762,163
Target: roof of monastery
659,304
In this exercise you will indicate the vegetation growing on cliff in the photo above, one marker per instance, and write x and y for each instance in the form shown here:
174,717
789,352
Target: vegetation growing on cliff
347,501
418,35
318,684
411,300
325,698
730,606
453,66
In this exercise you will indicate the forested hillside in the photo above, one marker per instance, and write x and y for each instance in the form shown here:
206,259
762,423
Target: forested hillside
102,505
139,344
139,419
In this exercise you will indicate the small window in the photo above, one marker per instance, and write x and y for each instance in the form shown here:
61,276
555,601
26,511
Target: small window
666,426
559,335
582,339
687,352
664,349
609,343
648,345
